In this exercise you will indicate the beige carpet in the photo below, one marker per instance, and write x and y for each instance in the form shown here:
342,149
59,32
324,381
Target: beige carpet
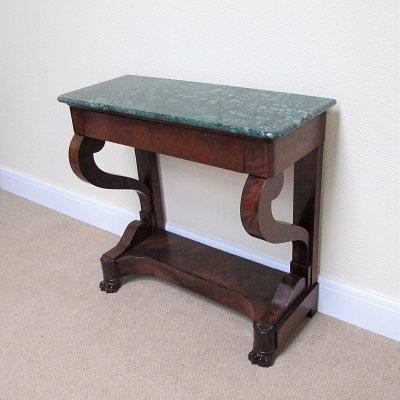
61,338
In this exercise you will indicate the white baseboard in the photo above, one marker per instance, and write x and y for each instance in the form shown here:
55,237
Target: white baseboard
359,307
339,300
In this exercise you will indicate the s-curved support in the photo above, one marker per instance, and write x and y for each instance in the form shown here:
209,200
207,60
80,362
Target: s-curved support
256,212
81,158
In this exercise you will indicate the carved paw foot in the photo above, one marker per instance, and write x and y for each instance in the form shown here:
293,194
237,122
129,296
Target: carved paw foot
110,286
261,358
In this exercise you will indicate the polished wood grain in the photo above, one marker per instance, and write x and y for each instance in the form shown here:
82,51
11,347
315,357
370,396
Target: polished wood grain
262,293
269,158
253,156
229,279
81,158
306,211
275,301
256,212
149,174
173,140
135,233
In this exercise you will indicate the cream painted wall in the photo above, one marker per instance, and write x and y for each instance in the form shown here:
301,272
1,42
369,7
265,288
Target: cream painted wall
348,50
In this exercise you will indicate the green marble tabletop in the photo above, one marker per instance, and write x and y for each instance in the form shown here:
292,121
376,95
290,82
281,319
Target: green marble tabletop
242,111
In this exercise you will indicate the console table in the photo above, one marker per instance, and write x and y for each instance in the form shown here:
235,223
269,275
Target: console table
256,132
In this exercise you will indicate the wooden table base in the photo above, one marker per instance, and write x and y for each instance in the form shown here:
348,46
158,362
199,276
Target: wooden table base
276,301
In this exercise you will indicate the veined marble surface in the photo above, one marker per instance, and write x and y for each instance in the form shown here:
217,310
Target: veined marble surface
242,111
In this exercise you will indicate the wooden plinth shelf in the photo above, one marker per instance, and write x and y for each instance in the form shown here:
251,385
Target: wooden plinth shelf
239,283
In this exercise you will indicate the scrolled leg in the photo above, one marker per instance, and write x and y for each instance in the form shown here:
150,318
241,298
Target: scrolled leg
81,158
256,212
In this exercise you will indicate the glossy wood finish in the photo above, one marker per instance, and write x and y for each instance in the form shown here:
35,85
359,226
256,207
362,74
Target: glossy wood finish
275,301
81,158
148,173
234,281
177,141
253,156
256,212
268,159
262,293
306,211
